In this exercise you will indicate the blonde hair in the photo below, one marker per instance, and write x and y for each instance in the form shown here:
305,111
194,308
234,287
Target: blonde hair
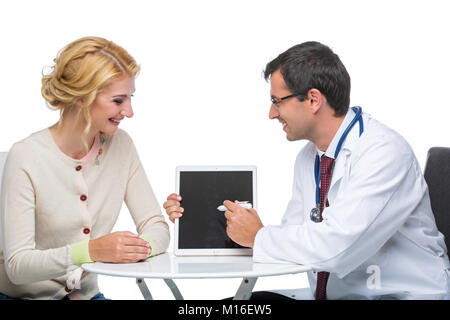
81,71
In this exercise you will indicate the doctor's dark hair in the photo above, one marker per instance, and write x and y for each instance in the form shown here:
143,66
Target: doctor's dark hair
313,65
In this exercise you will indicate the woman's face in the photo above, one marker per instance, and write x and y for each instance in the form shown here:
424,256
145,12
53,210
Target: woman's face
112,105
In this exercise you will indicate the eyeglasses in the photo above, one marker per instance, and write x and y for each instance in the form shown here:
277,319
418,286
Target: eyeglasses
276,101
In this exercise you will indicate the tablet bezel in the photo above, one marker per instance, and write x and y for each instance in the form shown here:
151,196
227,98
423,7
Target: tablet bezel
212,251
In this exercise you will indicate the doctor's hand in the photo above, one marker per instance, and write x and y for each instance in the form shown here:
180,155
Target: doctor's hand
242,224
172,207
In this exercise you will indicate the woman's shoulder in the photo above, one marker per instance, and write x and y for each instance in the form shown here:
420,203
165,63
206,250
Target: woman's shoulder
122,136
120,140
31,143
28,147
119,144
119,149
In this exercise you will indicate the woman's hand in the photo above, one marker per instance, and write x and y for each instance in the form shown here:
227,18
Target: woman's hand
172,207
119,247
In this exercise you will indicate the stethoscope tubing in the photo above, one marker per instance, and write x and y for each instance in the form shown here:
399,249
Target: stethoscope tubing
356,118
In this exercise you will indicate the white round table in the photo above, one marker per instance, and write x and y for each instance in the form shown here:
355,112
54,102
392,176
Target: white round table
168,267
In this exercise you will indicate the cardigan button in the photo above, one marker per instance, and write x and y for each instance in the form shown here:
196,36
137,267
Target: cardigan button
83,197
86,230
78,168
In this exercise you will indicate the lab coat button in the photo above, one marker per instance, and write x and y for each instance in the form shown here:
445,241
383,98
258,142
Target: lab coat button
83,197
86,230
78,168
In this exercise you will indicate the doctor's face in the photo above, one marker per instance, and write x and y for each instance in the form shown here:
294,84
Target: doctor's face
291,113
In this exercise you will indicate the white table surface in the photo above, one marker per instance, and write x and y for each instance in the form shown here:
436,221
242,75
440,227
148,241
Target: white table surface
169,266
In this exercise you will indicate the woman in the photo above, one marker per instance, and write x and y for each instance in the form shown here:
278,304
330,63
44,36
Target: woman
63,186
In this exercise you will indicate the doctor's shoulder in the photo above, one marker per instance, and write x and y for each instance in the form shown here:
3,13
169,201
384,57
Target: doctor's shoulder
308,152
379,138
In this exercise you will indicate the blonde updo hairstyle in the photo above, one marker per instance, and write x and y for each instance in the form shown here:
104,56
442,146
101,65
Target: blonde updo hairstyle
81,71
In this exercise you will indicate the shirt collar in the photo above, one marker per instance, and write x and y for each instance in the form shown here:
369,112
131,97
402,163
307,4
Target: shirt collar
333,145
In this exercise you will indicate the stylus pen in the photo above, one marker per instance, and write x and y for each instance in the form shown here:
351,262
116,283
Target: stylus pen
243,204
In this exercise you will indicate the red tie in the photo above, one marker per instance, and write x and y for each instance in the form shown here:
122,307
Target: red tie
326,165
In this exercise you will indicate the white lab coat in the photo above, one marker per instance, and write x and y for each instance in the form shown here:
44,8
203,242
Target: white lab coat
378,238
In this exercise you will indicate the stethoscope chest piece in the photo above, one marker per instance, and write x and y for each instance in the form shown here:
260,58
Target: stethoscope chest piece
315,214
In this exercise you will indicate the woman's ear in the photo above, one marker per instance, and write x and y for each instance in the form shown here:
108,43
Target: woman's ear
79,103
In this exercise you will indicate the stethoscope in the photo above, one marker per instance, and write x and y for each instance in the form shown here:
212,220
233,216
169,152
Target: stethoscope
315,212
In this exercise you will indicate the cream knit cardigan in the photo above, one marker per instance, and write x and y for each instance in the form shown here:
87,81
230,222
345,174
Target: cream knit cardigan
48,206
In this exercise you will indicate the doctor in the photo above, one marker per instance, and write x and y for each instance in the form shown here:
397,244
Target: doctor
360,211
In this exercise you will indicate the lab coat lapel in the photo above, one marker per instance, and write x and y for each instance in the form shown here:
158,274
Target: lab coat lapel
339,168
341,163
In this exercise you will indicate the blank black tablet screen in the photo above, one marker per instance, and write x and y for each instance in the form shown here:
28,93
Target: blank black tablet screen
202,225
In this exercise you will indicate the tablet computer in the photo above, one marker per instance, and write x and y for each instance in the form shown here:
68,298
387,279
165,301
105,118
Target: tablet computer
202,228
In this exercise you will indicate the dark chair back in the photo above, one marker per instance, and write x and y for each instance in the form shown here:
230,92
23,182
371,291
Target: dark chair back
437,176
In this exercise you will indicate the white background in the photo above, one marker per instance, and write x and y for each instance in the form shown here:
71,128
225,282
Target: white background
201,98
